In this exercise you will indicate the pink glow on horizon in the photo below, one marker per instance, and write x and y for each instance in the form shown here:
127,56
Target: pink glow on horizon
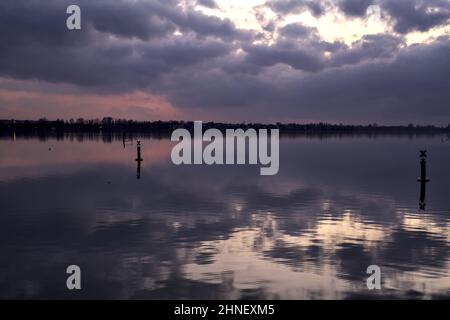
25,102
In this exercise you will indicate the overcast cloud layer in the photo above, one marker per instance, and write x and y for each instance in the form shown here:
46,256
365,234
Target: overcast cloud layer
197,61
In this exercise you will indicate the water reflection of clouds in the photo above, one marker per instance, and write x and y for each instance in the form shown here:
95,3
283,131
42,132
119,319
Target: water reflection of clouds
215,233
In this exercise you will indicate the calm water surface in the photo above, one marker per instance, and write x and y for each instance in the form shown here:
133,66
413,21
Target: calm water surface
337,206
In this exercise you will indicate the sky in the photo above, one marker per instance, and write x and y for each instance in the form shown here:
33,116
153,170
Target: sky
338,61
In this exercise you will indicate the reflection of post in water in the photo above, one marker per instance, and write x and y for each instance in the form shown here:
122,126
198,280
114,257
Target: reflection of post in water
124,140
139,159
423,178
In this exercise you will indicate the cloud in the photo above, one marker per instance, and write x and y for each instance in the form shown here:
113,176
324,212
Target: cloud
107,63
208,3
123,19
357,8
144,20
405,15
297,30
412,86
370,47
316,7
417,15
202,62
284,52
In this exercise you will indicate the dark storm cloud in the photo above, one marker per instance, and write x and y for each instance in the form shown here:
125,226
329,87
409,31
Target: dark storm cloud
355,7
107,63
412,86
368,48
415,83
316,7
297,30
284,52
299,47
36,44
405,15
420,15
145,20
208,3
204,25
128,45
308,37
24,22
45,22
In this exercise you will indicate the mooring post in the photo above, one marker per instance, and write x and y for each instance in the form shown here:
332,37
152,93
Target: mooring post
139,159
423,178
139,151
423,167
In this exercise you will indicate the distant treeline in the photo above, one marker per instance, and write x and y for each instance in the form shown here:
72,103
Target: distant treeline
119,127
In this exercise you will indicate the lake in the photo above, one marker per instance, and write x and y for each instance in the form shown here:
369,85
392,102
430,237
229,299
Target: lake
337,206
